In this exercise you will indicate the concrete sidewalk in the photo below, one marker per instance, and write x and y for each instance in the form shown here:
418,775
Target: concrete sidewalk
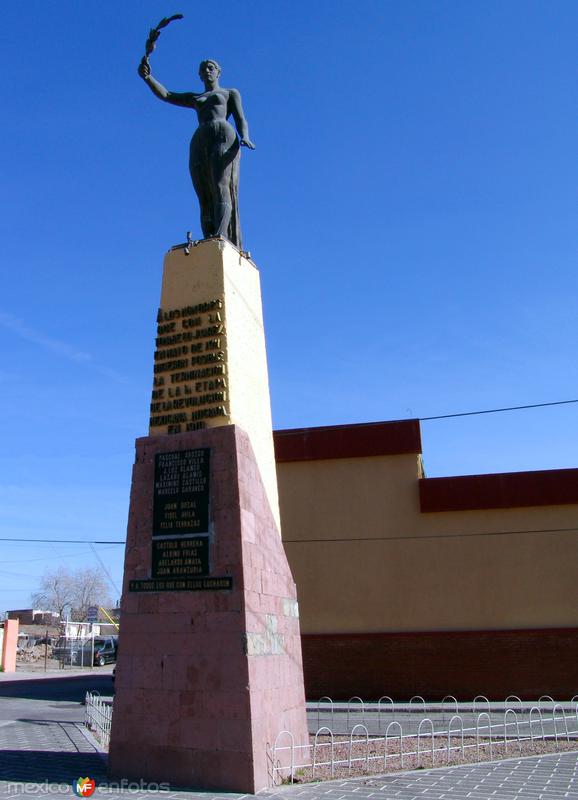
37,675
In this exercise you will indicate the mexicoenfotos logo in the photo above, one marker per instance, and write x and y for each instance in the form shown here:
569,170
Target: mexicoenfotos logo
84,787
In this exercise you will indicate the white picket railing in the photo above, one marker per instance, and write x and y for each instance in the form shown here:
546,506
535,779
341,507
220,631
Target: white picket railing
98,717
500,728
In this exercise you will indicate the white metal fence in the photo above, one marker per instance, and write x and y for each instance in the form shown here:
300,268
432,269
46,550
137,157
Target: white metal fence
98,716
370,737
377,736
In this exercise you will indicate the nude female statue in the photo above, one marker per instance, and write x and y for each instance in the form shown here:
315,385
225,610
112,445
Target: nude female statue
214,152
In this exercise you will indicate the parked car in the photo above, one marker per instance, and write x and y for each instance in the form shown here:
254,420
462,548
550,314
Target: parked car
105,650
49,640
67,650
74,652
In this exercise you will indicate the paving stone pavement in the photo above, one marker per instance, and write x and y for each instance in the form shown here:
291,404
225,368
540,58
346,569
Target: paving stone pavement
38,751
45,757
548,777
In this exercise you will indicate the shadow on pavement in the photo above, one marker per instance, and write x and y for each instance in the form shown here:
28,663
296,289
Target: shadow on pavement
37,766
58,688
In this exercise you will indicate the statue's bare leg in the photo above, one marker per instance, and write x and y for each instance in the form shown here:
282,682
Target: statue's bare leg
222,198
222,158
206,202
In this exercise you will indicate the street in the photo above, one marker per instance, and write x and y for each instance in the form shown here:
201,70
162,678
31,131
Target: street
53,698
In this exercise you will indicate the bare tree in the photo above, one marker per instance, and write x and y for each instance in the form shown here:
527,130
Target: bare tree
71,592
90,589
55,592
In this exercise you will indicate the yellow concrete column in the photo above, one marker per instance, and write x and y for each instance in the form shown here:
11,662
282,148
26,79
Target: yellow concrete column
202,377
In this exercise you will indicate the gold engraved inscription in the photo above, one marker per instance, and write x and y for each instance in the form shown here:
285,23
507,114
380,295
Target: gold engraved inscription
190,370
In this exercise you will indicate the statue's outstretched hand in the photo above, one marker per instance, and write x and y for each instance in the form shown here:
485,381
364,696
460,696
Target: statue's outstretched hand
144,69
247,143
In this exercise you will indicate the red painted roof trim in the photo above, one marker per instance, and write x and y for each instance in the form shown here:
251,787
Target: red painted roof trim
502,490
348,441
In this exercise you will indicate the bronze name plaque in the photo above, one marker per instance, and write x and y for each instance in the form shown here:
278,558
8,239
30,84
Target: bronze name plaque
186,557
181,493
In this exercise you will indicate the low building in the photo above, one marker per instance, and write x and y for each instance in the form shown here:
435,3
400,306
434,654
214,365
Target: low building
34,616
410,585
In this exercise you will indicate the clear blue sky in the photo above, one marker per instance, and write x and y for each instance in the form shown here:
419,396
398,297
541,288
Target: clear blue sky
410,204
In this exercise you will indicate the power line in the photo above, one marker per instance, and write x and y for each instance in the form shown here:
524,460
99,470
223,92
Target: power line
431,536
497,410
362,539
345,540
106,572
63,541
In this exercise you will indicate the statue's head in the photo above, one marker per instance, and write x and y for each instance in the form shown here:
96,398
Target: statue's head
209,69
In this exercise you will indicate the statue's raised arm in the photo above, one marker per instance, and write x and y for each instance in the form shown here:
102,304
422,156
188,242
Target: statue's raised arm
185,99
214,153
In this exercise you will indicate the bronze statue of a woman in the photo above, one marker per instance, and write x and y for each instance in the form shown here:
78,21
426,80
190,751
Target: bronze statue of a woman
214,152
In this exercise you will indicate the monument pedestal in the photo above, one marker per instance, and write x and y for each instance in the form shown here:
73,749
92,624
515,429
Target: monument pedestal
209,669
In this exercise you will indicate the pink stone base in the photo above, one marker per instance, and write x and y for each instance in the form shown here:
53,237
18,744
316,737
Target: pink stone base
205,681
